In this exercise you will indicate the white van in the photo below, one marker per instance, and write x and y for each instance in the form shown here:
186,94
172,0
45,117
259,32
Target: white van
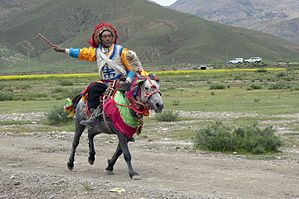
253,60
236,61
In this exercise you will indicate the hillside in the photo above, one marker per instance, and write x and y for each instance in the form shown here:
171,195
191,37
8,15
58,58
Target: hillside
270,16
159,35
288,29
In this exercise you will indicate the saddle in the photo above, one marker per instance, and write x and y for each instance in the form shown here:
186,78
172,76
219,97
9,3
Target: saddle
70,107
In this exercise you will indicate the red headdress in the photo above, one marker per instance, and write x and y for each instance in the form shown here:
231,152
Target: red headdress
99,29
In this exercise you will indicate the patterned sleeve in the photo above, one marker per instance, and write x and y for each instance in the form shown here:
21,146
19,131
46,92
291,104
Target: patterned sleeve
139,69
87,54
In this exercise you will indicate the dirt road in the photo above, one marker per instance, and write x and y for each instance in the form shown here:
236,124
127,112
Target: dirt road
34,166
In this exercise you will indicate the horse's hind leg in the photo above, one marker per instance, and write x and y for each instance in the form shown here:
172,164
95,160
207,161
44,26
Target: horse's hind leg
78,132
112,161
91,133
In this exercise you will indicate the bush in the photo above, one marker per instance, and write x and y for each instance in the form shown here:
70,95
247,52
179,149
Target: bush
280,85
7,96
167,116
57,116
255,86
250,139
70,93
261,70
217,86
66,83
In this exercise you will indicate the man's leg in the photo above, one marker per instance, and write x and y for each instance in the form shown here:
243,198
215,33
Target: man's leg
95,107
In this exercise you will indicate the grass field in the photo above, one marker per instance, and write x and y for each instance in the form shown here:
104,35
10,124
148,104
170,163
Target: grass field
265,96
272,91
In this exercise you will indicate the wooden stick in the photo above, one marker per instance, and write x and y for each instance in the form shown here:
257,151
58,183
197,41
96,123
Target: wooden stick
45,39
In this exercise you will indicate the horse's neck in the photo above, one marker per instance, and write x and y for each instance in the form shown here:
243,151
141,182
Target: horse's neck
135,115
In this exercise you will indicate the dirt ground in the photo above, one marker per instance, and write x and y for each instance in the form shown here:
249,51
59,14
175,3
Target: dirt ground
33,165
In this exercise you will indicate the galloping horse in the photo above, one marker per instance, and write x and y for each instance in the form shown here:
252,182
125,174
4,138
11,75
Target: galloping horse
144,95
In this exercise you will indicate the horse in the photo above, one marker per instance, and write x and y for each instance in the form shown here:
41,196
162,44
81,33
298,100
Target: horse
144,94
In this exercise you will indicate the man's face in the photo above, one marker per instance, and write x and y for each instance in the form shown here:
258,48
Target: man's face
106,38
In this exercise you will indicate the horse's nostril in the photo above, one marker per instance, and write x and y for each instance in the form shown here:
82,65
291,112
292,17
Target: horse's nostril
159,106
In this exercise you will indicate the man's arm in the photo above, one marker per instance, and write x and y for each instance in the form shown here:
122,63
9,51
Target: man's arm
88,54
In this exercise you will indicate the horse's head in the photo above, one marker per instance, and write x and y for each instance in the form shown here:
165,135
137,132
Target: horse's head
150,93
147,92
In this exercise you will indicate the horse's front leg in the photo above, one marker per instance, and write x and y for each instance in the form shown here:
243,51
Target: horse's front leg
78,132
112,161
123,142
91,133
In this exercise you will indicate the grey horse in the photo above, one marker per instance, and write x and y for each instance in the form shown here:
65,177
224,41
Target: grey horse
149,96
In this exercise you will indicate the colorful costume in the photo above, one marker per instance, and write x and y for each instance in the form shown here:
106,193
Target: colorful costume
111,62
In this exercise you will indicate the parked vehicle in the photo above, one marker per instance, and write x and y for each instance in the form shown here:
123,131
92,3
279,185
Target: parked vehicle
236,61
253,60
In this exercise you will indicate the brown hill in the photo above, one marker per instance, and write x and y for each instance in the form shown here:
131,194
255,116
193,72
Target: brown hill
268,16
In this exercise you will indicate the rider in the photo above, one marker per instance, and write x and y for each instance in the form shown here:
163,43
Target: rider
112,62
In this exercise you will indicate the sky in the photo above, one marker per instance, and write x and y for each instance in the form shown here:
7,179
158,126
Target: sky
165,2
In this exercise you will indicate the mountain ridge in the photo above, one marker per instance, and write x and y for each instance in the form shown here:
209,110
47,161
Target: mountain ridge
268,16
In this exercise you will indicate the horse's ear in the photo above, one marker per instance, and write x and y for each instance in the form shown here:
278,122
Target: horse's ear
154,77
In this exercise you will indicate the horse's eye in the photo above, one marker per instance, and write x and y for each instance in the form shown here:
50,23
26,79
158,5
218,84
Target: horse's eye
147,88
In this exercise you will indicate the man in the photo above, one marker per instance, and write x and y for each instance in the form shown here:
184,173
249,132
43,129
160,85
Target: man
112,62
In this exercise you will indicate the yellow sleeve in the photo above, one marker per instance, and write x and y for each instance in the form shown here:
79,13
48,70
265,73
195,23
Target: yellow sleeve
87,54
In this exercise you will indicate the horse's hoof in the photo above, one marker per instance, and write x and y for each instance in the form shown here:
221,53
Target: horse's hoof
109,172
136,177
91,160
70,165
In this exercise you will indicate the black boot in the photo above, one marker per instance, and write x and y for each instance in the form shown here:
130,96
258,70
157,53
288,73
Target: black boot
93,119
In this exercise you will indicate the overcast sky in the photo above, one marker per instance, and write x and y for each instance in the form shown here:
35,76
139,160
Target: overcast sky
165,2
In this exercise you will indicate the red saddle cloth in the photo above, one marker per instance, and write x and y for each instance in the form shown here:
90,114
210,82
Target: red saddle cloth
112,112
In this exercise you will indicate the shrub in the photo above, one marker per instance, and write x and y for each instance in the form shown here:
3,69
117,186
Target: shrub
59,90
57,116
280,85
249,139
7,96
255,86
71,93
281,74
66,83
217,86
261,70
167,116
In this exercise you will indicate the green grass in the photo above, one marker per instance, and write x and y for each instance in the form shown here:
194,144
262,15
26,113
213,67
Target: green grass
180,92
235,100
28,106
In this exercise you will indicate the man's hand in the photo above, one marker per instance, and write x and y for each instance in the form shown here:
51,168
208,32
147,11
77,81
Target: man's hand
124,86
58,49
